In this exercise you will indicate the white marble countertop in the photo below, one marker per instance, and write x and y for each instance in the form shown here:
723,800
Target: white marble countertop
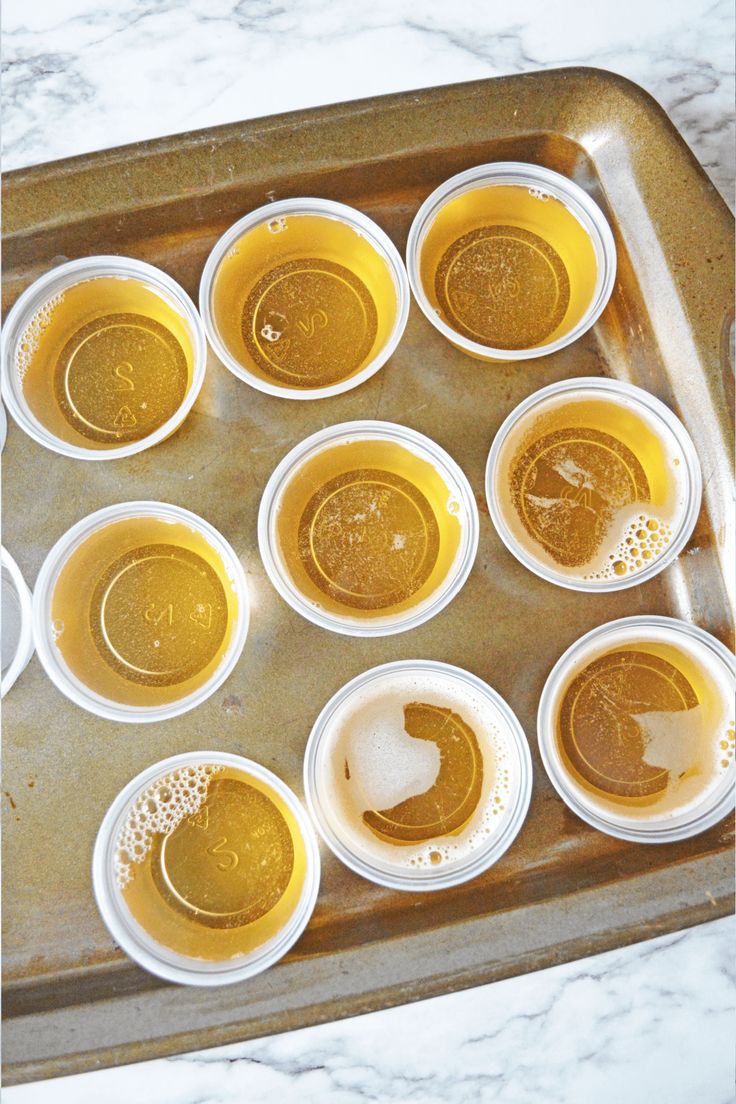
651,1023
648,1024
82,75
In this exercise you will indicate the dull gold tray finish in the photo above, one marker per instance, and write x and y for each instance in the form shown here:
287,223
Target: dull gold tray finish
72,1000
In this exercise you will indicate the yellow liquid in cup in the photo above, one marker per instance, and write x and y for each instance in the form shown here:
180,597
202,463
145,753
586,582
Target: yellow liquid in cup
143,611
587,487
508,267
447,805
105,363
303,301
367,528
644,728
210,861
417,771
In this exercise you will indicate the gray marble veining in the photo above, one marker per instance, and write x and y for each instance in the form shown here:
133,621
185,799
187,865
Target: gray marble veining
81,75
647,1024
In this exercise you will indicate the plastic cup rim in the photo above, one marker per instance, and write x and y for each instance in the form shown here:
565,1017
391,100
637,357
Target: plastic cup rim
328,208
25,647
656,408
431,879
69,684
97,266
670,829
521,173
356,430
135,941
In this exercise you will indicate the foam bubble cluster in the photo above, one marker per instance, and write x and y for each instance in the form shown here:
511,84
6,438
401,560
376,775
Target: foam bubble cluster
27,345
727,746
643,540
159,809
389,768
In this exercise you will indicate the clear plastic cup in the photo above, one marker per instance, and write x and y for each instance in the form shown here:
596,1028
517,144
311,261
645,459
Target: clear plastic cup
45,291
47,631
496,821
133,938
659,421
448,204
274,220
17,622
460,504
702,650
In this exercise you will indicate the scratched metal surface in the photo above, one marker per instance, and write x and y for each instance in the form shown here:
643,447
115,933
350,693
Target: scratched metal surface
72,1001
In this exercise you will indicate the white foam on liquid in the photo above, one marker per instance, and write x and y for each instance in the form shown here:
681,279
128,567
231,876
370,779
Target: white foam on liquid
28,342
638,546
164,804
684,742
623,552
387,766
669,738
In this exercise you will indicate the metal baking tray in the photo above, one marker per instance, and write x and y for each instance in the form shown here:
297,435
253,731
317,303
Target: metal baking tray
72,1001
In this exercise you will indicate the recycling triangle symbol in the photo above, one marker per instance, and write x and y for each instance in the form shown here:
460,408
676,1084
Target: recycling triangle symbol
202,615
125,418
200,819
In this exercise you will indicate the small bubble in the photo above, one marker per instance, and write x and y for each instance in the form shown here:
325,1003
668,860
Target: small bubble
620,567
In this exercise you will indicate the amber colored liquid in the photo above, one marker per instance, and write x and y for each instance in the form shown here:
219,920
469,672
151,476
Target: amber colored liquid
142,611
507,267
105,363
416,771
368,528
589,488
303,301
211,862
643,727
449,803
